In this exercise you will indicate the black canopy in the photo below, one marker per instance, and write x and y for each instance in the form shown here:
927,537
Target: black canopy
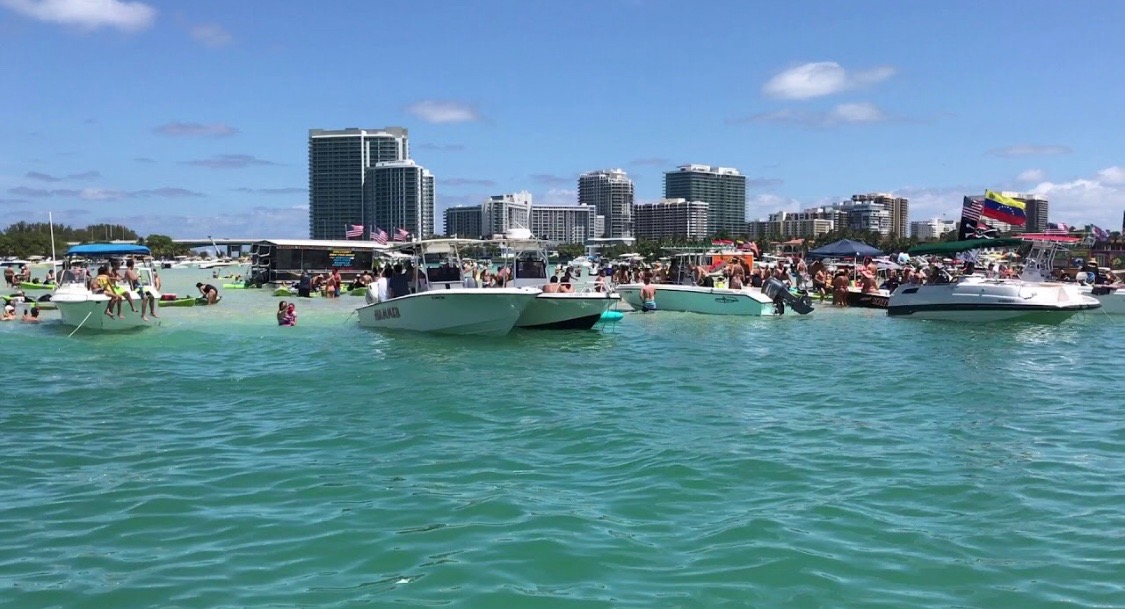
845,248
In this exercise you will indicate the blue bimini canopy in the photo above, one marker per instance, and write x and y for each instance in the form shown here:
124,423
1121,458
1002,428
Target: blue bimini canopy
845,248
108,249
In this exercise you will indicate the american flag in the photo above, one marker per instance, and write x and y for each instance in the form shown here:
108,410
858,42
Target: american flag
378,235
1057,229
402,234
356,230
971,211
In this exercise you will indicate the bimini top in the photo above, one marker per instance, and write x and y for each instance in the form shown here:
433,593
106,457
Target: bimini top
953,247
108,249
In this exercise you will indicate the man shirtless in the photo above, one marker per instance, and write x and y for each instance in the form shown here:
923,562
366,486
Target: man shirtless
648,296
133,282
840,289
552,287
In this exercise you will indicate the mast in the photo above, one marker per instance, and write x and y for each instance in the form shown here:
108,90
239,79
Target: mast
51,221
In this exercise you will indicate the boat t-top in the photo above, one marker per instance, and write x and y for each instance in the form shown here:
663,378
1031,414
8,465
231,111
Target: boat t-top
975,298
1040,264
427,294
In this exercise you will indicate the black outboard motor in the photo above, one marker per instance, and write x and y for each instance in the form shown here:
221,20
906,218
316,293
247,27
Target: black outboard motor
781,296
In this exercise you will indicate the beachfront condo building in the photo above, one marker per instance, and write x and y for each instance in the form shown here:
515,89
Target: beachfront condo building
794,225
503,212
723,189
338,164
610,193
879,212
463,222
933,229
564,223
672,219
400,195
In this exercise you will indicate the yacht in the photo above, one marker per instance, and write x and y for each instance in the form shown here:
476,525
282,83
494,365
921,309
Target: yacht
81,307
578,310
438,301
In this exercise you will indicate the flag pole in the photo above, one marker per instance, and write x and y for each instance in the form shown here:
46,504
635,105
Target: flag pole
51,221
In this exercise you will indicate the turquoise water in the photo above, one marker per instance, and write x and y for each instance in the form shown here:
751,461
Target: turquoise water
839,460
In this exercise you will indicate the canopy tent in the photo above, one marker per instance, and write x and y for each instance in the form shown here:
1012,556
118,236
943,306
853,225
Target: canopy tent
108,249
845,248
953,247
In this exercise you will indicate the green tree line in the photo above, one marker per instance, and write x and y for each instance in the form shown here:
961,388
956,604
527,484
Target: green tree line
24,239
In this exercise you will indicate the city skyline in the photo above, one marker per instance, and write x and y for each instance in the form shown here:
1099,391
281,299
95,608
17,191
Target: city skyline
193,119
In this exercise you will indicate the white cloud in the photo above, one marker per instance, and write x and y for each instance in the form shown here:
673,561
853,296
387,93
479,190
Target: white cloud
211,35
89,14
1028,150
842,114
560,196
1031,175
821,78
177,129
434,111
1099,199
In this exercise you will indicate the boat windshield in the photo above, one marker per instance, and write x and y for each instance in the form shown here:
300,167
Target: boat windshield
530,265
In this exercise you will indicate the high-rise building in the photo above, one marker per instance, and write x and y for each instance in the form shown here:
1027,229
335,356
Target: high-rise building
610,193
723,189
671,218
564,223
503,212
338,162
930,230
876,211
401,195
1036,209
464,222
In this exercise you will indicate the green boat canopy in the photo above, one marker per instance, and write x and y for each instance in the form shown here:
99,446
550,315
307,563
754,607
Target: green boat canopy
953,247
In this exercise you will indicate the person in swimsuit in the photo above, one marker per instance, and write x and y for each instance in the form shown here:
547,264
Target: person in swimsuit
209,292
552,287
648,296
105,284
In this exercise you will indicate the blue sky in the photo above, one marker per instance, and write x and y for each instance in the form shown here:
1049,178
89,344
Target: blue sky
191,118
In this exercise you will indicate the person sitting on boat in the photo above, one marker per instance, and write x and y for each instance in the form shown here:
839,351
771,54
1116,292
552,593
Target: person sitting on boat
209,292
31,316
648,296
552,286
892,282
133,282
599,283
105,283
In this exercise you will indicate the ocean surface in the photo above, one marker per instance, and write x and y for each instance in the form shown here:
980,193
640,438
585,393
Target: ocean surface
842,459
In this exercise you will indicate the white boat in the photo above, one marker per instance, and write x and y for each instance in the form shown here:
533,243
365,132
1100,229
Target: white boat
978,299
698,299
1040,262
440,304
214,264
685,296
82,308
577,310
1112,297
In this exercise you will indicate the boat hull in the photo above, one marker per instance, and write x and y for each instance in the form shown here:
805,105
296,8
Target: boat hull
569,311
868,300
693,299
471,312
89,313
980,301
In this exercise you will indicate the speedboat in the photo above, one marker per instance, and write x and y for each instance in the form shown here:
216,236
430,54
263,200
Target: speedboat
977,299
439,303
700,299
571,310
1040,263
81,307
1112,297
685,296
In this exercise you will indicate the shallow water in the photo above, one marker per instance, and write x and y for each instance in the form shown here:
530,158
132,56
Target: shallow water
672,460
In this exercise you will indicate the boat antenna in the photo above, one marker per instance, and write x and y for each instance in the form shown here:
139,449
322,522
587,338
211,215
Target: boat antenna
51,222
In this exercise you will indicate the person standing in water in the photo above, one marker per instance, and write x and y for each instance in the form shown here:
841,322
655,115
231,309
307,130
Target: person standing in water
648,295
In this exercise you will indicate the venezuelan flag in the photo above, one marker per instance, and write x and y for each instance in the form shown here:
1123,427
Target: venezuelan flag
1004,209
